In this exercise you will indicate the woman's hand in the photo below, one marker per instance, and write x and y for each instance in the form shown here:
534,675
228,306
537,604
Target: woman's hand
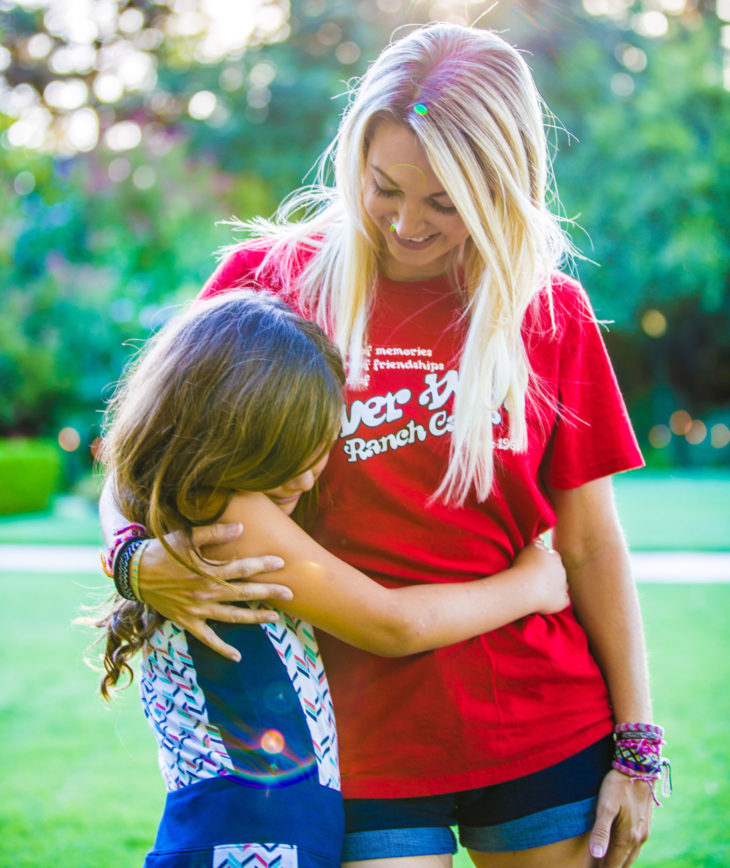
623,819
547,575
190,600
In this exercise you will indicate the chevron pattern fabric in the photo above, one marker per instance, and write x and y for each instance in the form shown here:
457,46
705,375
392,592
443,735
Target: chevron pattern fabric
190,748
296,646
255,856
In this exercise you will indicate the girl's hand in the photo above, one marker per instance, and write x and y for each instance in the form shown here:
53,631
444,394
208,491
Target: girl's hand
547,576
190,600
623,819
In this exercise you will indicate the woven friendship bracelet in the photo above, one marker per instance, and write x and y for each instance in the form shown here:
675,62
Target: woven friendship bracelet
124,534
122,566
638,755
134,568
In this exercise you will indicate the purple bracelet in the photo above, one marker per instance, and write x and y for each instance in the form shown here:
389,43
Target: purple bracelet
638,755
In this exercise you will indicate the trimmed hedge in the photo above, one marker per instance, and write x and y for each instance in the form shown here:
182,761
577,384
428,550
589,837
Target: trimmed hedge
29,474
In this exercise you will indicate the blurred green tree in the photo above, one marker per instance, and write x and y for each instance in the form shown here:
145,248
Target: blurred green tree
648,176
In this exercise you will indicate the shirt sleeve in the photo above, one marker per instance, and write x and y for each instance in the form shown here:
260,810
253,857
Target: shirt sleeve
237,270
593,436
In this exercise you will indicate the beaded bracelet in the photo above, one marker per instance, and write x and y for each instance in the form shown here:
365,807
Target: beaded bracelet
134,568
121,536
122,564
638,755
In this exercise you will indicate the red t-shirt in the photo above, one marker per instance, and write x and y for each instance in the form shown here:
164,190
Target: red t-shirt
514,700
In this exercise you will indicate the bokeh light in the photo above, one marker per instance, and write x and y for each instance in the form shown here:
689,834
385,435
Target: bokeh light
69,439
654,323
633,58
348,52
123,136
24,183
202,105
108,87
610,8
660,436
697,432
653,24
622,84
81,130
119,169
66,95
680,422
262,74
720,435
144,177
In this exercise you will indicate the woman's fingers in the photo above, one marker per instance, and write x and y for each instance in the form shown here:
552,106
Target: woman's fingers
260,591
244,568
232,591
202,631
210,534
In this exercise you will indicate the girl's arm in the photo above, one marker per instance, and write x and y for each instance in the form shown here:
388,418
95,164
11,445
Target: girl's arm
589,538
342,601
190,599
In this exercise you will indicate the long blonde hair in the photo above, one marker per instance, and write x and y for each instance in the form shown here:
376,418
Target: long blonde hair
484,136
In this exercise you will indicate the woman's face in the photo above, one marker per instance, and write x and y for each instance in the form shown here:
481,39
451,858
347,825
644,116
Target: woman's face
286,496
408,204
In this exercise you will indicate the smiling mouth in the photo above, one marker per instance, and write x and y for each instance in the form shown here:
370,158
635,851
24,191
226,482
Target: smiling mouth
418,243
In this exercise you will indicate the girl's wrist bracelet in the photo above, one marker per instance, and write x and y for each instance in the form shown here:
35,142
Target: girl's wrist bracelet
134,563
121,536
123,568
638,755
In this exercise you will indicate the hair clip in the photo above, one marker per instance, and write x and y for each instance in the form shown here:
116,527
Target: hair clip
420,108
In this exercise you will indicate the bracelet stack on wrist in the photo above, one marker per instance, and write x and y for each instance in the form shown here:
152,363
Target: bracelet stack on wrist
126,568
134,563
638,755
121,536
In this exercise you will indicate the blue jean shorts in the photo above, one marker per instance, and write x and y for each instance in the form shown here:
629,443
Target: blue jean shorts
551,805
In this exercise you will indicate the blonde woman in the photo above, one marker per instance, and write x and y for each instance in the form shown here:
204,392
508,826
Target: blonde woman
481,411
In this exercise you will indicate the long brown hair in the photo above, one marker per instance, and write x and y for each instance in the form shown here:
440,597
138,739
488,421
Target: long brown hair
238,393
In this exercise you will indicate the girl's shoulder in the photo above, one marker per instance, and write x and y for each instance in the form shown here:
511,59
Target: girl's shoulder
260,263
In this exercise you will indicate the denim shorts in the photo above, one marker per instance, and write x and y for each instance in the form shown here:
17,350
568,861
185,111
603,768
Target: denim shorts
551,805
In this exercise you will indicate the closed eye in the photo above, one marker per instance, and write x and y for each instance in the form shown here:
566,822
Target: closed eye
382,191
442,209
389,193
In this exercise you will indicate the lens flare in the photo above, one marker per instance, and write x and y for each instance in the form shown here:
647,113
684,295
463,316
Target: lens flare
272,741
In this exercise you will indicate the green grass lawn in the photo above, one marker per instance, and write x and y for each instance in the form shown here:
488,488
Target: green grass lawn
80,782
671,510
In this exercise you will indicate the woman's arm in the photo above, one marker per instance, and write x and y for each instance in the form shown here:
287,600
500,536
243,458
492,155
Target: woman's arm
590,540
190,599
342,601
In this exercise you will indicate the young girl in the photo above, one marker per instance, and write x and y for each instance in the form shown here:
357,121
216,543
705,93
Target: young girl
230,413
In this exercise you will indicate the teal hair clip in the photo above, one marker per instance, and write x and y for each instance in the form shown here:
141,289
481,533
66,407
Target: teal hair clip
420,108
